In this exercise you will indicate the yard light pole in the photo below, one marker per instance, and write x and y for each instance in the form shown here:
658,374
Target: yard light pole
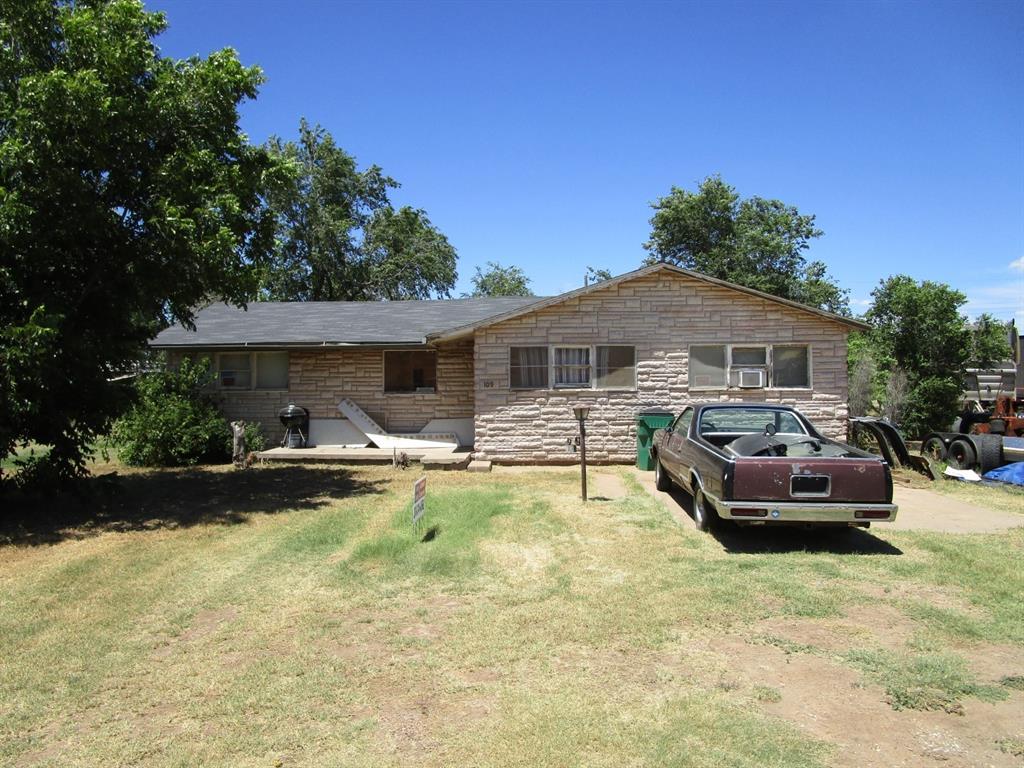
581,412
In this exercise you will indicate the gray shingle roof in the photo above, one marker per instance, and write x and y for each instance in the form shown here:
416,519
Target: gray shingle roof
272,323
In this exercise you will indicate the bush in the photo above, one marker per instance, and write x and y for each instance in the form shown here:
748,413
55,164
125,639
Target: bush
932,405
173,421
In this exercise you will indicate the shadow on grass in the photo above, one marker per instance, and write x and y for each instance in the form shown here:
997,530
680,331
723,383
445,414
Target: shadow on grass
757,539
174,498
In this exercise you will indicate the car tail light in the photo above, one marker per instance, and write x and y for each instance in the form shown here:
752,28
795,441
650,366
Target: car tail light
749,512
870,514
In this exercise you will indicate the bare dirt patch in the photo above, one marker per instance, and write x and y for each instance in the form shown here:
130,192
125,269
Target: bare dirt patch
205,623
833,702
606,486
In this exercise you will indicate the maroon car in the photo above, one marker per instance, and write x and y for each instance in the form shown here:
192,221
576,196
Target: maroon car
754,463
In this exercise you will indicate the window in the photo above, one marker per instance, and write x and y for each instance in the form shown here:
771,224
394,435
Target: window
718,366
410,371
615,367
572,367
271,370
235,370
707,367
604,366
253,370
790,367
730,421
528,367
682,425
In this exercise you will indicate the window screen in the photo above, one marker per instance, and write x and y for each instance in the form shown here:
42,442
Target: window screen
752,356
272,370
707,366
572,366
615,367
410,371
528,367
790,367
235,370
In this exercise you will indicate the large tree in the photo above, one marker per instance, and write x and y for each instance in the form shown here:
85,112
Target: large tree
338,236
128,196
754,242
497,280
918,332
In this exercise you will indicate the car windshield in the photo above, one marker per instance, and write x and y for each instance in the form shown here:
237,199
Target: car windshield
743,421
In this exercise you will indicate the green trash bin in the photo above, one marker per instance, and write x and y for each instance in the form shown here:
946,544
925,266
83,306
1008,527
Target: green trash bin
647,422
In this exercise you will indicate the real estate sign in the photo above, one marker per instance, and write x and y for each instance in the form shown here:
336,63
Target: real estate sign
419,499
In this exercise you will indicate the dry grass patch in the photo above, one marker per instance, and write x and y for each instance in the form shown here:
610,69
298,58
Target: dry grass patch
528,629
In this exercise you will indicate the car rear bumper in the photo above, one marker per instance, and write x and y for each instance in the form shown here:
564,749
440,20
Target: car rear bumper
805,512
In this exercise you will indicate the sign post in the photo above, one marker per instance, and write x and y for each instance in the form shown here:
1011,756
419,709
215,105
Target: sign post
419,499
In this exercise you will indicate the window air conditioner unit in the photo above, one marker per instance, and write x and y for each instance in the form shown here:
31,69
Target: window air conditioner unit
752,378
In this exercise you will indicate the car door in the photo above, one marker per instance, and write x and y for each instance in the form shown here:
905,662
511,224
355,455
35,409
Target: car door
675,448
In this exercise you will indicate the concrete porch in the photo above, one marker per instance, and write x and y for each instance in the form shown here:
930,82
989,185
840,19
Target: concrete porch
429,458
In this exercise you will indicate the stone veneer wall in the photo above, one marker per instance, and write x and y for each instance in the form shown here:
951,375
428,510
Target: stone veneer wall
661,315
319,378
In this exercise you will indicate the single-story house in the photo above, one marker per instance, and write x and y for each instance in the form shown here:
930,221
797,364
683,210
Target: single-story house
503,373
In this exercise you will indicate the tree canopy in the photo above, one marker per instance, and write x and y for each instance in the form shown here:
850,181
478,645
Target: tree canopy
990,342
338,236
918,332
128,196
754,242
500,281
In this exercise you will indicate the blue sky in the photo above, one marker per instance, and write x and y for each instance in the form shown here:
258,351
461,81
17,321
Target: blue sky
537,134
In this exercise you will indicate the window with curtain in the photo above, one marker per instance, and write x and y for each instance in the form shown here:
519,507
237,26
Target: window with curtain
271,370
528,367
572,366
615,367
234,370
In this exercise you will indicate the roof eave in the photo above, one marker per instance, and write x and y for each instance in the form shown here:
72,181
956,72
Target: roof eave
286,344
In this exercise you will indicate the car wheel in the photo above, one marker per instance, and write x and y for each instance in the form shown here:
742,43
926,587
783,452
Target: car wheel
704,517
661,479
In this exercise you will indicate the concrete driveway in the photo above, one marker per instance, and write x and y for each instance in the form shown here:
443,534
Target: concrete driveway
919,510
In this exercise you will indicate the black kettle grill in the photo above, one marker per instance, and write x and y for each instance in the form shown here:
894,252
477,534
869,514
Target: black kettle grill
295,419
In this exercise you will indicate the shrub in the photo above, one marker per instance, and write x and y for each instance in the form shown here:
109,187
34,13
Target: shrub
932,404
173,421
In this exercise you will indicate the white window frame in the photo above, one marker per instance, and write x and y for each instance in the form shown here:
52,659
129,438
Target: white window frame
552,365
254,361
769,366
548,367
551,386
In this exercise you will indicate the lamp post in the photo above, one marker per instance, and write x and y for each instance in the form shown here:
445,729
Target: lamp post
581,412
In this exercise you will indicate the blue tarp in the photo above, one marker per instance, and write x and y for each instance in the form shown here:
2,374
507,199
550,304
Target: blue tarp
1009,473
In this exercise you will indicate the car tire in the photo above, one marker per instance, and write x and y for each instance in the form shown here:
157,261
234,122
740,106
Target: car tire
661,479
961,454
990,451
934,449
704,515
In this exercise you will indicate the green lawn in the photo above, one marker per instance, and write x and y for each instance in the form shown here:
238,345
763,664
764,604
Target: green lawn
287,616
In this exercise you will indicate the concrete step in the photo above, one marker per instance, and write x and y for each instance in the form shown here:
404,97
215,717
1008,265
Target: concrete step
479,465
